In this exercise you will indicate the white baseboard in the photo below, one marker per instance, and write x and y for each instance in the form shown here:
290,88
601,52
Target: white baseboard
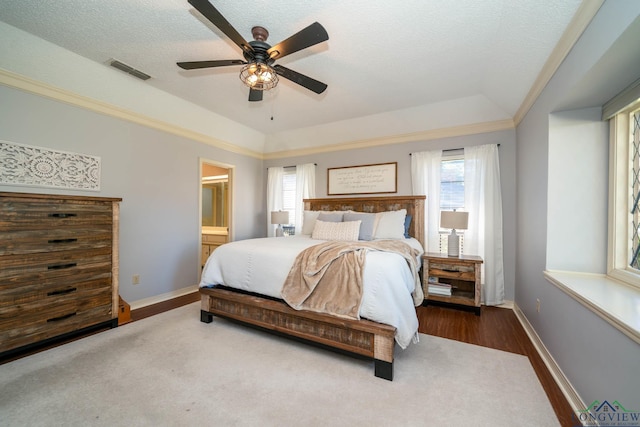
575,401
163,297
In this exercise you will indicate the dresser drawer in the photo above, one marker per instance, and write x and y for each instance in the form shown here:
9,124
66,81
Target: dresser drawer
44,215
56,239
33,288
63,319
14,268
57,302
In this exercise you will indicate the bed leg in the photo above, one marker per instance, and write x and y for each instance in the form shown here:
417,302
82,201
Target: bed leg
206,317
383,369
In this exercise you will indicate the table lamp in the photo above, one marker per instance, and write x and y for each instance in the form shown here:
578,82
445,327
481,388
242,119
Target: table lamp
279,217
455,221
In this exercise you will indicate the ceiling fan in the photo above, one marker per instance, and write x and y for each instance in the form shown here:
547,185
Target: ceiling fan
258,71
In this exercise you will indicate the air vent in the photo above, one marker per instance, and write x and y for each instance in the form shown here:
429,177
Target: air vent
127,69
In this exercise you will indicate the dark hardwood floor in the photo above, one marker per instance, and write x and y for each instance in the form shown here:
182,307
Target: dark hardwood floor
496,328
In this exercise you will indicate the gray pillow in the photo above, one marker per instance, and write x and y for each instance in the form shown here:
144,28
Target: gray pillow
366,226
330,216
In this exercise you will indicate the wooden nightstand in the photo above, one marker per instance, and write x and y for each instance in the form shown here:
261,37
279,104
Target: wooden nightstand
456,280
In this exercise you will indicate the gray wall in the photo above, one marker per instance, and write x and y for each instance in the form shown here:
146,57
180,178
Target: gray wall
578,190
401,153
155,173
557,176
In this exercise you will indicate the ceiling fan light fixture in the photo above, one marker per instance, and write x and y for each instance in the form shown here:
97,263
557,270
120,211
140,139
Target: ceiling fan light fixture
259,76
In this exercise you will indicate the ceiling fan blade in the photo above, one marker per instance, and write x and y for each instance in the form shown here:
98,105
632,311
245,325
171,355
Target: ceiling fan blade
312,35
301,79
216,18
208,64
255,95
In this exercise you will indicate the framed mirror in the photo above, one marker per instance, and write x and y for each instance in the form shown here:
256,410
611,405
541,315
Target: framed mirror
215,197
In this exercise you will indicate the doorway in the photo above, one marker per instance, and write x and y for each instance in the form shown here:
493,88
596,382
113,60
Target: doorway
216,185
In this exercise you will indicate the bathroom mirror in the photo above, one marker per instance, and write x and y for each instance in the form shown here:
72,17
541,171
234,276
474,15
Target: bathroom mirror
215,197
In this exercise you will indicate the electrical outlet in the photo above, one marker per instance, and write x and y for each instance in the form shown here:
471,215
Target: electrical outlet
136,279
538,305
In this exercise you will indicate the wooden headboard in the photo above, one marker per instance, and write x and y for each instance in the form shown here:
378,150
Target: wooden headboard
413,204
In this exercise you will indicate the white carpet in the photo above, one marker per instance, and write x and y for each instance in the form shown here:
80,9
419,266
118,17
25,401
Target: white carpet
173,370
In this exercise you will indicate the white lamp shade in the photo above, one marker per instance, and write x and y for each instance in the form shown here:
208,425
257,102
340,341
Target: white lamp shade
280,217
454,220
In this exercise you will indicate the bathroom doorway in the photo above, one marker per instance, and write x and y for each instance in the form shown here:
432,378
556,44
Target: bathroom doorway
216,189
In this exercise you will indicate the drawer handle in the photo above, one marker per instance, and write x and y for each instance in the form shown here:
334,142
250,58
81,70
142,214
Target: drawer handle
63,240
62,215
57,319
61,292
61,266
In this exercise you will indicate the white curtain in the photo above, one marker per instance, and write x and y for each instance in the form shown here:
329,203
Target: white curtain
425,181
305,189
483,201
274,196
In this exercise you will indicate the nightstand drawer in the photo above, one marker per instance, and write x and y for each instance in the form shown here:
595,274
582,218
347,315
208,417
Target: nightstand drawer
453,271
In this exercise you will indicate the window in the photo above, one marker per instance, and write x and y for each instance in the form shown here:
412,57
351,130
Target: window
452,183
289,199
624,205
634,149
451,193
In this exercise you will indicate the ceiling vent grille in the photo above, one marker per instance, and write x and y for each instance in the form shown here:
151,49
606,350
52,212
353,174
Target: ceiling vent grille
127,69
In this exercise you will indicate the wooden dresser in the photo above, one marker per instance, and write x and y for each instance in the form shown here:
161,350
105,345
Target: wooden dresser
58,267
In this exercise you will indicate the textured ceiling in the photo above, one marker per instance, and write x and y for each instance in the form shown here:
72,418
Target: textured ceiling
381,56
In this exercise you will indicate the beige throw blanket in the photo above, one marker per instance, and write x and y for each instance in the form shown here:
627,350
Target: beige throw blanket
327,278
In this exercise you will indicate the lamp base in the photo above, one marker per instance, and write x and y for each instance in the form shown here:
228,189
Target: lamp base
453,244
279,231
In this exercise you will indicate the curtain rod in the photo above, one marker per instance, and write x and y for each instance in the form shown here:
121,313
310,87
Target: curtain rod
453,149
285,167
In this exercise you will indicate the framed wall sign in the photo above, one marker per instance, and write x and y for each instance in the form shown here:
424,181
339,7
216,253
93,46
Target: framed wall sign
364,179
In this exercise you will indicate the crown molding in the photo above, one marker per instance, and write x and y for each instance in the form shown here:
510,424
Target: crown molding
26,84
471,129
583,16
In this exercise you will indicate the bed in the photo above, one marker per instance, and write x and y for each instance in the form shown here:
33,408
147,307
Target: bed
254,302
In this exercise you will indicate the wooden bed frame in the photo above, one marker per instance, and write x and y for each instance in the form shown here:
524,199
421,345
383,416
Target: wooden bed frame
361,337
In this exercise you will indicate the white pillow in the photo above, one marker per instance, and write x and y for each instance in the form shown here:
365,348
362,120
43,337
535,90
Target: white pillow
390,225
309,221
347,231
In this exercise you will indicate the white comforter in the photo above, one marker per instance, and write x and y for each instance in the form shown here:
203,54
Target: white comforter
262,265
